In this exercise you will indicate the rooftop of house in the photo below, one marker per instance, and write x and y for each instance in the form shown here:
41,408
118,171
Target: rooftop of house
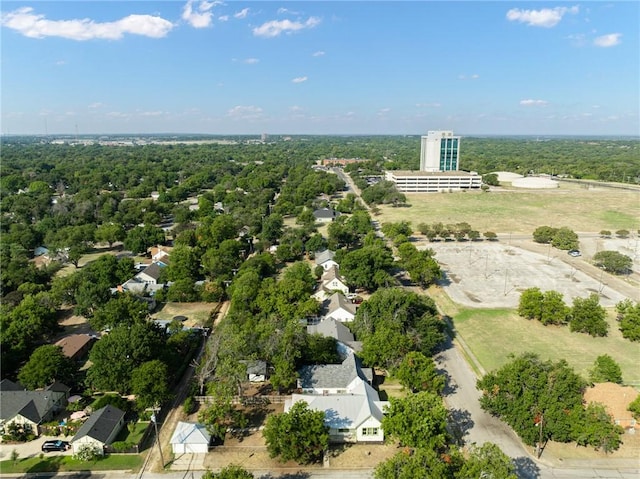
324,256
331,328
33,405
73,343
190,433
334,376
100,424
331,274
255,366
339,301
152,271
345,411
614,397
325,213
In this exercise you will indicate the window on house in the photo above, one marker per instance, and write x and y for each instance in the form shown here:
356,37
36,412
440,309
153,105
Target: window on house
369,431
343,429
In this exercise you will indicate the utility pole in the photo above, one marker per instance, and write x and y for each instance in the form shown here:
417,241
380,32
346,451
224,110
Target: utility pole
154,418
540,425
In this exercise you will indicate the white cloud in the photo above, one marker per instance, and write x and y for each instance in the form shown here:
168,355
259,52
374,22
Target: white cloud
295,109
429,105
276,27
198,19
34,25
383,111
242,112
223,18
299,79
475,76
241,14
283,11
318,54
250,61
59,63
610,40
151,113
95,105
531,102
547,17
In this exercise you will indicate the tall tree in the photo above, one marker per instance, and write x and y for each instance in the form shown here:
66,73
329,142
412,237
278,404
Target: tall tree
47,364
587,316
298,435
417,420
150,384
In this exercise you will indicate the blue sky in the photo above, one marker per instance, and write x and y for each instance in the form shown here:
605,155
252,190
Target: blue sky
329,67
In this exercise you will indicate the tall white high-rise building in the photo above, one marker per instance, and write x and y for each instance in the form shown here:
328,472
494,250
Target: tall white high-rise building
439,151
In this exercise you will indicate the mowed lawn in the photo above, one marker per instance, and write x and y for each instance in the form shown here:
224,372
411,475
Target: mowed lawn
522,211
494,334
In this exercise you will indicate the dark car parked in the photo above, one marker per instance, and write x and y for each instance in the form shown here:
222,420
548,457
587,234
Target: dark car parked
58,445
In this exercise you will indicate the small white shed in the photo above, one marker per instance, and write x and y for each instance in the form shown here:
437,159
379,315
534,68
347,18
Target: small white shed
190,438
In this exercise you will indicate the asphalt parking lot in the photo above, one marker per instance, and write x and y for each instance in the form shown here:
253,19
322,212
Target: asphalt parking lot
493,274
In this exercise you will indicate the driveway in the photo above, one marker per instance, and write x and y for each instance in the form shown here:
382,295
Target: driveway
31,448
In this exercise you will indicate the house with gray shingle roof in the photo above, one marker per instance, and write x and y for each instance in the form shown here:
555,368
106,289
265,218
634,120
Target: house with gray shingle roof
325,259
331,328
352,407
333,378
31,408
100,429
332,281
339,308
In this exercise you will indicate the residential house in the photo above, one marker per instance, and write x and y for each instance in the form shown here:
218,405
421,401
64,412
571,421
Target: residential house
190,438
325,259
145,282
160,254
339,308
40,251
352,407
76,346
256,370
30,408
332,281
326,379
616,399
331,328
100,429
325,215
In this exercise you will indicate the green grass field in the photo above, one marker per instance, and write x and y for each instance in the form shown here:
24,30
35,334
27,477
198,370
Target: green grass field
522,211
112,462
494,334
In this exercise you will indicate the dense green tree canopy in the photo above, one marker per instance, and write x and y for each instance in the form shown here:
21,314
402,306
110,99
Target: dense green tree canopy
587,316
417,372
150,384
605,369
298,435
394,321
417,420
119,353
528,391
613,262
47,364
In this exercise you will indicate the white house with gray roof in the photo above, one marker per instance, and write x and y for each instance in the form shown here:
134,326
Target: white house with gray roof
332,281
325,259
339,308
331,328
30,408
100,429
352,407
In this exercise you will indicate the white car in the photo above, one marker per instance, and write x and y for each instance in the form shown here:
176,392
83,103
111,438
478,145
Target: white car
574,252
